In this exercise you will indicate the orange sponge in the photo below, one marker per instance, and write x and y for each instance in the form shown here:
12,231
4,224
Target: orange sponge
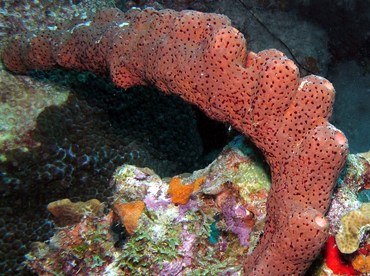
180,193
362,263
129,214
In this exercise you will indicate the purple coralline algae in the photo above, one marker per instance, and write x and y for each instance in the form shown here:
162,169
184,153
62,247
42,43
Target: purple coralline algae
170,239
209,235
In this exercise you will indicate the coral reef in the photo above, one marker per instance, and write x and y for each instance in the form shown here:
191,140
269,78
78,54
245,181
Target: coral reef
169,238
21,16
353,226
213,228
201,58
76,147
348,194
334,259
74,138
22,100
85,247
347,233
67,212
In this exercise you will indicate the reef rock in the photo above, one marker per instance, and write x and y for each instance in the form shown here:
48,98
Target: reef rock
209,233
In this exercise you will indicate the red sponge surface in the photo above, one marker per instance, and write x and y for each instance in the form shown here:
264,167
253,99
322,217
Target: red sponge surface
204,60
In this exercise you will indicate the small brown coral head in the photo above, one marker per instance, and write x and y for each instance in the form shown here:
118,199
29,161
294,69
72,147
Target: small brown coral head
67,212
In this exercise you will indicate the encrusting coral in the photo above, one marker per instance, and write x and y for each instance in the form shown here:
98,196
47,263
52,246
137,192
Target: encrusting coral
204,60
353,226
67,212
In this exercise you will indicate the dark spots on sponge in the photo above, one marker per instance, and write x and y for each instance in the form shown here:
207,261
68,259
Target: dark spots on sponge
203,59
